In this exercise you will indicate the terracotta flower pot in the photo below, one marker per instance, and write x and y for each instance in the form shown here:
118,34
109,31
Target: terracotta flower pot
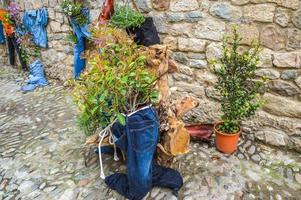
226,143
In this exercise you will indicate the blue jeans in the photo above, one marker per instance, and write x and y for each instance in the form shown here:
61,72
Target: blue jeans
139,140
79,64
2,37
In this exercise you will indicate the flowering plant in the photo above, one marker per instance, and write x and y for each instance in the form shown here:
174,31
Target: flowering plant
74,10
7,22
14,10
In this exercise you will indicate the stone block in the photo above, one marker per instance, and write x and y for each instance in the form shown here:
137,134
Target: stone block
55,26
239,2
265,58
292,4
273,37
211,29
180,57
144,5
282,106
181,29
190,44
290,74
287,60
192,16
161,5
283,88
226,11
171,42
260,12
282,17
198,64
298,81
273,136
248,33
183,5
268,73
214,51
296,18
293,39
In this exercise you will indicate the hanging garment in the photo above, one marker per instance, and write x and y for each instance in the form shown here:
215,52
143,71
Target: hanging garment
13,47
81,32
2,37
138,139
106,12
146,34
35,21
36,77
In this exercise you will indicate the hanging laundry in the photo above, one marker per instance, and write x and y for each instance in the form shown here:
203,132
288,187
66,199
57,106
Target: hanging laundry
2,37
81,33
138,139
36,77
35,21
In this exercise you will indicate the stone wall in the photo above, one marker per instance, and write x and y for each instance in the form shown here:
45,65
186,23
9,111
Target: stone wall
193,30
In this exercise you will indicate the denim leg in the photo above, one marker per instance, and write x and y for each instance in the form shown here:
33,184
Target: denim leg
167,178
142,136
79,64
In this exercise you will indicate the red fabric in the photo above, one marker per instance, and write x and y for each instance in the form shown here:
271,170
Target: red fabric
107,11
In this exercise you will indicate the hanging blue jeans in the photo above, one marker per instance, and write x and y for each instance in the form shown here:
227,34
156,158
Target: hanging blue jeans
2,37
35,21
139,140
79,63
81,32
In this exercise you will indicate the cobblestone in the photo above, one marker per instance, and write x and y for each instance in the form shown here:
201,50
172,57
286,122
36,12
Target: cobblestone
42,156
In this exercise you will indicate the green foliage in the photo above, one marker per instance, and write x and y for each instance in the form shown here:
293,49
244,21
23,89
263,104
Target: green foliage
72,38
74,10
125,17
237,84
28,50
116,81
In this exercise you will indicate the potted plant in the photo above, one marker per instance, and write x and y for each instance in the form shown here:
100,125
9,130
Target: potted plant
238,88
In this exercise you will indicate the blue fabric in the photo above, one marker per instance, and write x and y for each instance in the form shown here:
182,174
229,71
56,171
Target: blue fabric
35,22
36,77
2,37
81,32
139,140
79,63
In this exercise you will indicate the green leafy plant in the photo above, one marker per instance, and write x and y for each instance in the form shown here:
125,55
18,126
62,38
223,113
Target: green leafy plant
125,17
74,10
116,82
29,51
237,84
72,38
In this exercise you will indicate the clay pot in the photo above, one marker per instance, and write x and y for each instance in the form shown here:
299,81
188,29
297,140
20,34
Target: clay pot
226,143
200,131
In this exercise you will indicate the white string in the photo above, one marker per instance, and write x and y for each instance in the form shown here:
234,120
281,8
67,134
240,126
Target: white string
102,134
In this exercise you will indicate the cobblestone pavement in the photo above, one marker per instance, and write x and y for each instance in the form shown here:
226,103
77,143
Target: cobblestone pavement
42,157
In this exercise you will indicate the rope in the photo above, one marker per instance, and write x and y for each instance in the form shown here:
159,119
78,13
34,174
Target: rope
102,134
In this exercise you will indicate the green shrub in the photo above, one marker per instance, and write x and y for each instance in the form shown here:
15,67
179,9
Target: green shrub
237,84
125,17
116,82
